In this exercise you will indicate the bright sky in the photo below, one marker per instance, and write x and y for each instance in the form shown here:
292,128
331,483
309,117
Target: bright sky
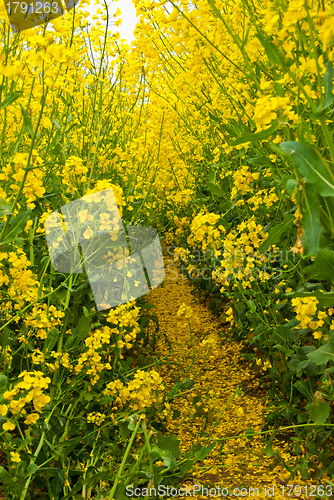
128,17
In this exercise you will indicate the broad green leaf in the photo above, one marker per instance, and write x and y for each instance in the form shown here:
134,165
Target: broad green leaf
186,467
26,122
259,160
123,428
303,467
276,232
50,341
290,185
328,78
252,306
326,299
326,211
284,349
272,52
312,166
16,226
10,98
320,412
4,210
204,451
148,306
83,328
249,432
304,389
322,355
311,221
56,123
259,136
299,361
170,443
5,477
323,265
3,385
212,175
31,469
165,455
269,448
215,189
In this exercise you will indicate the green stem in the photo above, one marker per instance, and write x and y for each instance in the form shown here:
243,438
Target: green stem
120,470
322,120
148,446
135,467
61,337
32,461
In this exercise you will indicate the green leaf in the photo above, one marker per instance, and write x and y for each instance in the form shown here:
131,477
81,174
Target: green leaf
3,383
4,209
252,306
123,428
320,412
56,123
83,328
26,122
204,451
31,469
17,225
303,468
312,166
272,52
304,389
276,232
322,355
186,467
284,349
248,433
165,455
259,136
5,477
105,400
326,299
323,265
10,98
328,78
312,229
300,361
290,185
259,160
212,175
51,340
269,448
86,312
215,189
170,443
148,306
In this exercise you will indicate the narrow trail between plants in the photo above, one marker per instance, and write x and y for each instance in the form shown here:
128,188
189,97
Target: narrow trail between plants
225,401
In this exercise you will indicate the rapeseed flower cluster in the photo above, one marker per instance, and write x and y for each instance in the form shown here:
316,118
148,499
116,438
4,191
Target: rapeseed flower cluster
140,393
204,231
27,392
306,310
22,285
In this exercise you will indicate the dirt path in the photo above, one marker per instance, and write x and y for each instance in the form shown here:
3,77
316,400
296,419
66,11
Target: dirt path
229,397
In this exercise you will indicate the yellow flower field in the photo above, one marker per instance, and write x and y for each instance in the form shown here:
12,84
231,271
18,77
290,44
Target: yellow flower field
214,131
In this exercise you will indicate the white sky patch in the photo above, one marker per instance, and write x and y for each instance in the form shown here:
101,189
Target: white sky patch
129,19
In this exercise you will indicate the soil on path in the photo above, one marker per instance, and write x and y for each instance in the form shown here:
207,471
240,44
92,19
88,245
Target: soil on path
225,401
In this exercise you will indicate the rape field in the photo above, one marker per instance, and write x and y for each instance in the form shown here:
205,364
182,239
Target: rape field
214,128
